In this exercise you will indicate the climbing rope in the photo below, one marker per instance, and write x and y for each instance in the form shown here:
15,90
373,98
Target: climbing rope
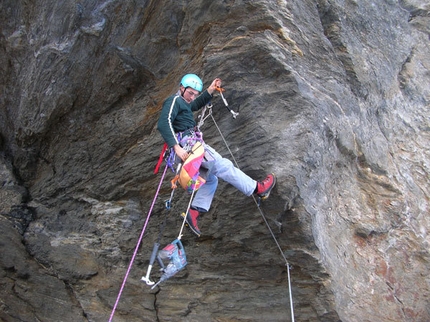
262,215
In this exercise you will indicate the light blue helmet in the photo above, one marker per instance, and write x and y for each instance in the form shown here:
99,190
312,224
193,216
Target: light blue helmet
193,81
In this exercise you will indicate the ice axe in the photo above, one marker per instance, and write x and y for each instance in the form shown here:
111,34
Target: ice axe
220,90
151,263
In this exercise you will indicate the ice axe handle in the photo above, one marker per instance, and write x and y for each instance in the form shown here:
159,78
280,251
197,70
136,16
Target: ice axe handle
154,253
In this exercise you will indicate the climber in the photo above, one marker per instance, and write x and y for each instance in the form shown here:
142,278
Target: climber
177,117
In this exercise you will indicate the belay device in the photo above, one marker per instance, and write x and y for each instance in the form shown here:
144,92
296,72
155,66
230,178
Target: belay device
175,253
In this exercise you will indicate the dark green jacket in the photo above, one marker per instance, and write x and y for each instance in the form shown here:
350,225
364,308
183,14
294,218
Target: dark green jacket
177,115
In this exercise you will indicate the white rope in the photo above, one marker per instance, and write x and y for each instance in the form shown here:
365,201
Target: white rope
188,209
265,220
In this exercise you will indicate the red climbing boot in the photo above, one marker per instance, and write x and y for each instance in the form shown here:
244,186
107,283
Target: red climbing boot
265,187
191,220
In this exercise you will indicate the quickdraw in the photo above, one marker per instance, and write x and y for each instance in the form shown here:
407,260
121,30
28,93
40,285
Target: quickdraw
220,90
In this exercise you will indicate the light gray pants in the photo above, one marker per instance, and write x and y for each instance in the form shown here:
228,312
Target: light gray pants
224,169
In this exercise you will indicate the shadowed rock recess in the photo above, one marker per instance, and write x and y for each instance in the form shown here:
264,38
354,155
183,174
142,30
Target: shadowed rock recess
333,96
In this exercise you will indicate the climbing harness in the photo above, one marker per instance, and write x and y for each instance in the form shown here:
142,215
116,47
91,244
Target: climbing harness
175,252
189,176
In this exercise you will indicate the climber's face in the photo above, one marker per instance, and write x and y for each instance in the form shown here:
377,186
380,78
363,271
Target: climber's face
189,94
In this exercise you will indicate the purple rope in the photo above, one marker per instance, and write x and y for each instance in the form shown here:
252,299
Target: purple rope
138,244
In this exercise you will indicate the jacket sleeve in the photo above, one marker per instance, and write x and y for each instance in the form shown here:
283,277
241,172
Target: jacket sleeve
201,101
165,122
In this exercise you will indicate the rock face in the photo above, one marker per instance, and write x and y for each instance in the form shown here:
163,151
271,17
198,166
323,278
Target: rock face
333,97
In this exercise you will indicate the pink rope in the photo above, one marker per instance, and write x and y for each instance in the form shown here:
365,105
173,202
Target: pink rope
138,244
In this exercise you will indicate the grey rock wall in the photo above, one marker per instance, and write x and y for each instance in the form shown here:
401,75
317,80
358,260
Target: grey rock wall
333,97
